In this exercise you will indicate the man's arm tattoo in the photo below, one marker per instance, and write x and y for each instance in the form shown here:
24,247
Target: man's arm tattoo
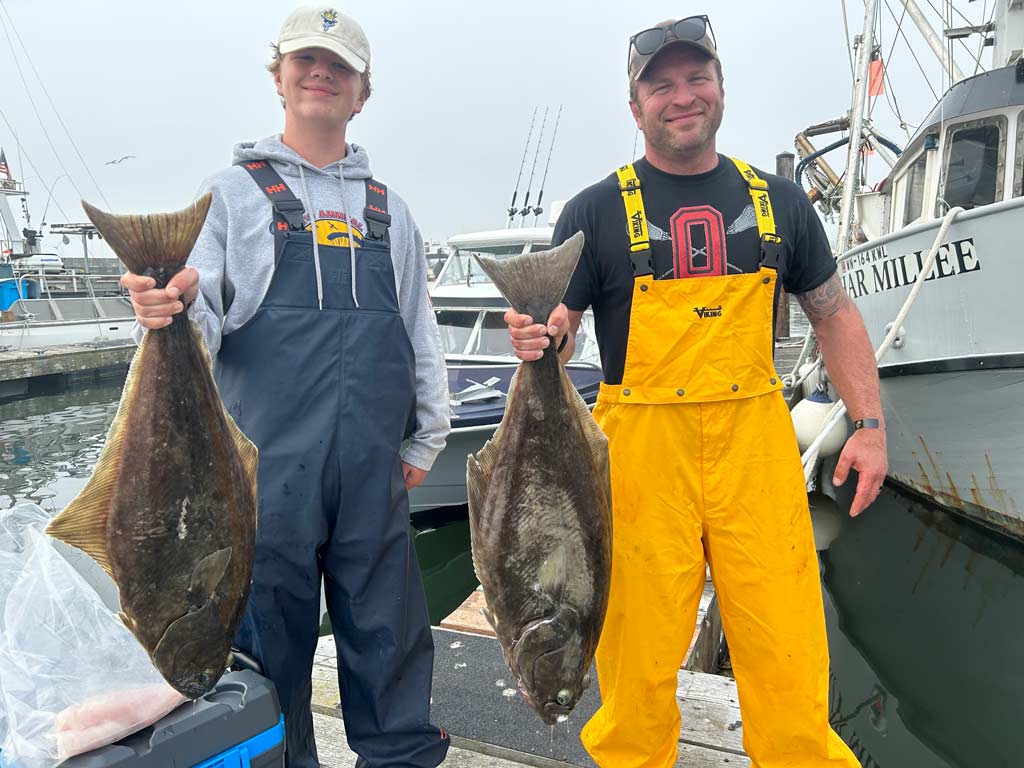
825,300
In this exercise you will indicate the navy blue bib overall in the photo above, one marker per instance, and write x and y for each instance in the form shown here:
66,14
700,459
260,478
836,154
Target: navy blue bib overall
328,397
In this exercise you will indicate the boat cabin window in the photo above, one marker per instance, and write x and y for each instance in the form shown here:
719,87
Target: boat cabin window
456,326
473,332
974,164
913,205
462,269
493,338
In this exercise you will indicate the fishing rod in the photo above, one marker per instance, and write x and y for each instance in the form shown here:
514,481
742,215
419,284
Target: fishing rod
526,201
512,210
537,209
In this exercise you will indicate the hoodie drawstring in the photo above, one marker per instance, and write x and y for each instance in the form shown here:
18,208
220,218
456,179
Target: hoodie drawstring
351,236
316,248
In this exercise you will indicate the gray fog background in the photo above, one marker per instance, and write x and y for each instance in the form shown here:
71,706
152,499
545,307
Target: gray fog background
455,83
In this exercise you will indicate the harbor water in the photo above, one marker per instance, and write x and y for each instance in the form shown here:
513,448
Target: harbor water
925,611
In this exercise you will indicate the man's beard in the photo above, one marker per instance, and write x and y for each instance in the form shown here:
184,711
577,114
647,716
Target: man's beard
687,145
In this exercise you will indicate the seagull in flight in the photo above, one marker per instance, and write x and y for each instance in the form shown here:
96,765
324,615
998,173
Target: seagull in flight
119,160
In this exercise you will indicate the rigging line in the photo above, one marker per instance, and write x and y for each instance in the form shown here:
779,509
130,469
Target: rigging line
894,102
849,51
53,106
873,100
960,14
910,48
949,22
895,106
895,37
32,165
981,43
28,92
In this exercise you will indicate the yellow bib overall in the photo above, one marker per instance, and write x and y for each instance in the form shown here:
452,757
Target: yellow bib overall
705,466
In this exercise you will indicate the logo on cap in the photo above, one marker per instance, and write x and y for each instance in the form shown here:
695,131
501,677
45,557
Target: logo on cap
330,19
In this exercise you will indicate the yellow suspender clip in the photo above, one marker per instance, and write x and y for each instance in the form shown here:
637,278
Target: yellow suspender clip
771,242
636,221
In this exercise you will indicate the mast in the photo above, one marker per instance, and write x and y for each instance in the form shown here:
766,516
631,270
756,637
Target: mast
851,181
14,245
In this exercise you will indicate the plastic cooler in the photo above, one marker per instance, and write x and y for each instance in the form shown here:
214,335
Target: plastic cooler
9,294
236,725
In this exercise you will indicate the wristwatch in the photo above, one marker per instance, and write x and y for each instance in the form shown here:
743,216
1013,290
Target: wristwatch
866,424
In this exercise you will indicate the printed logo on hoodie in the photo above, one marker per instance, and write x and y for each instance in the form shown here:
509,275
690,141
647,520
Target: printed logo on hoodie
333,229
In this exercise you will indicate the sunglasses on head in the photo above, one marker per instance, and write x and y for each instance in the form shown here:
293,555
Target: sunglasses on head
692,28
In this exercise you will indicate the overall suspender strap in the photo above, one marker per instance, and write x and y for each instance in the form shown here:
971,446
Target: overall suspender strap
636,221
288,208
378,220
771,242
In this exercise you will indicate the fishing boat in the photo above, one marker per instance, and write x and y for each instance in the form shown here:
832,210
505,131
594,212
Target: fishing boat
934,241
478,354
47,300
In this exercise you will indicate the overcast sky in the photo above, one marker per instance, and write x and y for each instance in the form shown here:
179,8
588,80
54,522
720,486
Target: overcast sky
176,84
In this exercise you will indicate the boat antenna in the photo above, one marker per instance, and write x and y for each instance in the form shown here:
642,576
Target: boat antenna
537,209
526,200
512,210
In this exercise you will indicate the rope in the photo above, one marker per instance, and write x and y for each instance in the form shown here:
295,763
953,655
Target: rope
27,158
838,411
52,105
910,48
849,53
35,109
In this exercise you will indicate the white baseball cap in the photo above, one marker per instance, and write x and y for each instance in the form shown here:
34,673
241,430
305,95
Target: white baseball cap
320,27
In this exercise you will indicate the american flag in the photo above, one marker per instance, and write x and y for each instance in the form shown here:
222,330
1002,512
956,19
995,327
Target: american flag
3,165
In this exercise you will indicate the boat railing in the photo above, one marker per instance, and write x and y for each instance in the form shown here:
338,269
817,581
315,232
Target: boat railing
510,359
54,300
71,281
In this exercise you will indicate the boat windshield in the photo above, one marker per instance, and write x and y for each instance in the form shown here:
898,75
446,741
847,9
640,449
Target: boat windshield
483,333
462,269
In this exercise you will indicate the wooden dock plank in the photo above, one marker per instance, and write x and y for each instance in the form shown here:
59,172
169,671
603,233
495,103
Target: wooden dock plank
709,707
711,735
334,752
63,359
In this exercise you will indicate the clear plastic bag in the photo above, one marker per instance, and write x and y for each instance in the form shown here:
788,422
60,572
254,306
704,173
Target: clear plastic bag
72,677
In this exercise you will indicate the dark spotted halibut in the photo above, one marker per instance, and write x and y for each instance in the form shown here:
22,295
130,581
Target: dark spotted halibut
540,506
170,509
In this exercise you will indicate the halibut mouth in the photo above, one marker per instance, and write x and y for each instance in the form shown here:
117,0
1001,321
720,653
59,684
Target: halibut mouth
170,509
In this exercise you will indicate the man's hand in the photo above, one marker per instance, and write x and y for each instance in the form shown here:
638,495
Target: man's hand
529,339
155,307
865,451
413,475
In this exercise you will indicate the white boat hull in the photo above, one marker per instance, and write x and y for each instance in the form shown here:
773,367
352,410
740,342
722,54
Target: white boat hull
953,386
28,335
445,484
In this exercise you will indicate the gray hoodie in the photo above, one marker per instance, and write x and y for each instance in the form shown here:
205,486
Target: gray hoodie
234,256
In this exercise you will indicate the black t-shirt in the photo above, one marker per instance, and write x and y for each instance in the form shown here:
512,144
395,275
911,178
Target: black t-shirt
698,225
